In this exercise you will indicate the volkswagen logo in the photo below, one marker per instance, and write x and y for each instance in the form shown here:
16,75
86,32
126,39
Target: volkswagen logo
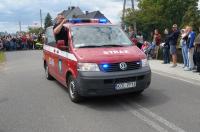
123,66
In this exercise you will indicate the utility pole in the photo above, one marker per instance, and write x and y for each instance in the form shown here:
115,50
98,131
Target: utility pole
123,14
133,8
124,7
133,4
41,17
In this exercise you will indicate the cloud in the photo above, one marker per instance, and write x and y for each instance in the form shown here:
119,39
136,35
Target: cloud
11,27
27,11
199,5
111,9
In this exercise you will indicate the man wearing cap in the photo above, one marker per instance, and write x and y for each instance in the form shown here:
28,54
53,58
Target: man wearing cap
59,30
173,38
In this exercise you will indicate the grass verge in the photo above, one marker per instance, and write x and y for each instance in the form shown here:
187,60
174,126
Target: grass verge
2,57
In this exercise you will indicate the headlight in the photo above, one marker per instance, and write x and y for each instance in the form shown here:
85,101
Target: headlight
88,67
145,63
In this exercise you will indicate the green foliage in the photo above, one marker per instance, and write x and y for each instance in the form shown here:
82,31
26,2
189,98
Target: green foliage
2,56
48,21
192,18
35,30
161,14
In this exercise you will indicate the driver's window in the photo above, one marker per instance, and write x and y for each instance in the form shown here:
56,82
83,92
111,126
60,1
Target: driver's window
50,38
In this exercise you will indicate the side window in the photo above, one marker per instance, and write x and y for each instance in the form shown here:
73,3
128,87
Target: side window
50,38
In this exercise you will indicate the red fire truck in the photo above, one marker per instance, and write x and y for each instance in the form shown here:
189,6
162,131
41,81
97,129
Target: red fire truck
98,60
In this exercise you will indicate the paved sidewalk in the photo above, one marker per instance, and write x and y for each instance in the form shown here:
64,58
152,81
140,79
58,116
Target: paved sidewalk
177,72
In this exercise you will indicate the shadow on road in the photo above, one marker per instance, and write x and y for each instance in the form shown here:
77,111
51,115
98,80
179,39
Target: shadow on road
150,98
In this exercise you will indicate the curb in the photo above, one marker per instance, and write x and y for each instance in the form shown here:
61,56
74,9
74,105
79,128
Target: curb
195,81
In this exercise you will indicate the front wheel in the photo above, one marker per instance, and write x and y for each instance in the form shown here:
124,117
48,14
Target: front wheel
48,75
73,90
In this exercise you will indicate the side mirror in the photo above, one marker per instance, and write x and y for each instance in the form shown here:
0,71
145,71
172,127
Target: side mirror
61,45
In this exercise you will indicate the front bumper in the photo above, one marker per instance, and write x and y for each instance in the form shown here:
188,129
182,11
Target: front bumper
103,83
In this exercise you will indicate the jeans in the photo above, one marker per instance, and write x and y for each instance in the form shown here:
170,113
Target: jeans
12,45
24,45
190,57
198,60
15,46
185,55
166,55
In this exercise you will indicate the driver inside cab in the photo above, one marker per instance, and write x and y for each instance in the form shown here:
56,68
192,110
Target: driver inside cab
59,30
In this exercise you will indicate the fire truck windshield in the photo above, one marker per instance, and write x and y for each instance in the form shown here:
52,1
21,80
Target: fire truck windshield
99,36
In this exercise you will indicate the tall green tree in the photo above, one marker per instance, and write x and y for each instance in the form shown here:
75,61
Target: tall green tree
35,30
192,17
161,14
48,21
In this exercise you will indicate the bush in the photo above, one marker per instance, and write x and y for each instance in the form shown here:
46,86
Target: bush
2,56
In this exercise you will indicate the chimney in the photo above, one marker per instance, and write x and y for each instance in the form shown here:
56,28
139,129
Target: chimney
86,12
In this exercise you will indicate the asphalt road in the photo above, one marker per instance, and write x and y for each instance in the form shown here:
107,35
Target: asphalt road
30,103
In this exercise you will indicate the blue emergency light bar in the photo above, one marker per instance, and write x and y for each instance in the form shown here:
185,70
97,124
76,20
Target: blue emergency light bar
79,20
105,66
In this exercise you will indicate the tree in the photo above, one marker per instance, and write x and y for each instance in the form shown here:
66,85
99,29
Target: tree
48,21
161,14
35,30
192,17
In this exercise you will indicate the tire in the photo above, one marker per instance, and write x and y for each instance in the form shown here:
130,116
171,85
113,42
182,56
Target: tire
73,90
139,92
47,74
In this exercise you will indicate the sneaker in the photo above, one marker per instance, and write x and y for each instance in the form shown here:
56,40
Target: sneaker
194,69
183,67
174,65
187,69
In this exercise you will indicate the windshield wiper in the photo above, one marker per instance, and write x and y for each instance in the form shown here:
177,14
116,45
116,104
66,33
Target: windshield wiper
112,45
89,46
106,45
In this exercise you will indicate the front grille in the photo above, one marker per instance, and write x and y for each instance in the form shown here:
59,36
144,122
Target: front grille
122,80
113,67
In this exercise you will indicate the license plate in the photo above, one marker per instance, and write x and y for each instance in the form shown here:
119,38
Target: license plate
120,86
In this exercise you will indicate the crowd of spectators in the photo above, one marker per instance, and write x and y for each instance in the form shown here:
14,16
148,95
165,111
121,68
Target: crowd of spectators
190,44
19,41
168,44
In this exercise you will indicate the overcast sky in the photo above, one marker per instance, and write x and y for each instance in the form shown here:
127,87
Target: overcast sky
27,11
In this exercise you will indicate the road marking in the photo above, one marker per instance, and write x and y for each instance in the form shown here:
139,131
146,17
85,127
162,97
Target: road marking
160,119
177,78
148,121
149,113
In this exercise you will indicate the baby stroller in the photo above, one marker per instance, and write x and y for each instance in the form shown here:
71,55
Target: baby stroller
149,50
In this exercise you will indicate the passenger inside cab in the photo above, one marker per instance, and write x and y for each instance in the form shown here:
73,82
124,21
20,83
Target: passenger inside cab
59,30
